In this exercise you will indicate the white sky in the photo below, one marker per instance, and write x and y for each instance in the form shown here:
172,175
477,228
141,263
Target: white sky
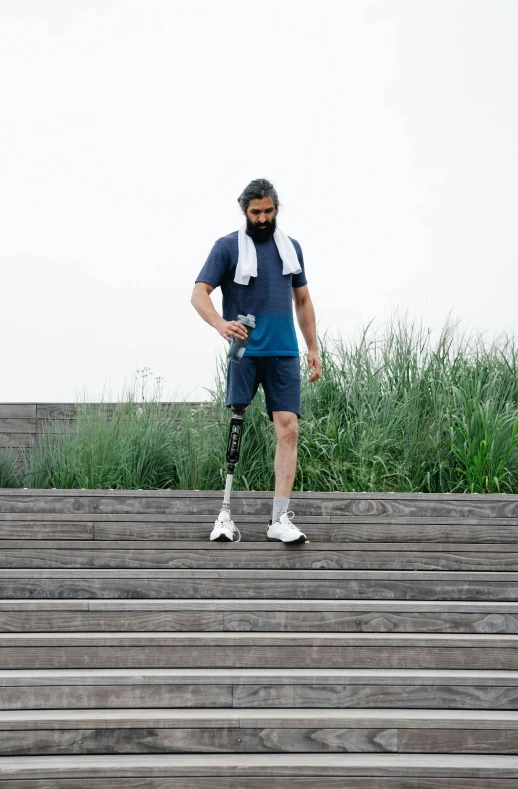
128,128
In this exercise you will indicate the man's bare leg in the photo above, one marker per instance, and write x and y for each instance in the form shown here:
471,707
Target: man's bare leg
286,428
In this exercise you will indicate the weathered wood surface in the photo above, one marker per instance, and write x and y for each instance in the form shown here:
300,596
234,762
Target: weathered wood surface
259,584
65,655
457,741
322,528
307,640
274,782
17,425
146,739
33,720
422,607
365,696
388,548
275,556
15,440
56,621
277,676
261,696
265,765
69,410
220,740
17,410
36,530
137,694
398,621
201,621
248,615
251,503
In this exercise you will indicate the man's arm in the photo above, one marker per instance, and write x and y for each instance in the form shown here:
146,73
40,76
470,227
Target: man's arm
202,303
306,320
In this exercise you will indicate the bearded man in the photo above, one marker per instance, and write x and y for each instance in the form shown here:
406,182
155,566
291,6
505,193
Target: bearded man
260,271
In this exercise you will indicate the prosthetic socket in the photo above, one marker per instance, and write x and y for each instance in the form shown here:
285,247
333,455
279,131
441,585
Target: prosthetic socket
235,432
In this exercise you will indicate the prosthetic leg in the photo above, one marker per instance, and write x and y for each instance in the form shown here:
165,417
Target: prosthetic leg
224,527
235,432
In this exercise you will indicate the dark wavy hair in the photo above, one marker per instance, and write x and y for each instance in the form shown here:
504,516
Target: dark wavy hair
257,189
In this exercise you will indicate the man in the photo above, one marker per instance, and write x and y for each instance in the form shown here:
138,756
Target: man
257,285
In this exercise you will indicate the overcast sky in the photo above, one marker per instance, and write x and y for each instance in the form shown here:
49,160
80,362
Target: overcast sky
128,128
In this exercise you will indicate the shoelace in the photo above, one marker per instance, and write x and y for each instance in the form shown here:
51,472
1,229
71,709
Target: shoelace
291,525
234,529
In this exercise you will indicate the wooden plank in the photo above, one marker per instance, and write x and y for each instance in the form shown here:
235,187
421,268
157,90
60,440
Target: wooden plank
290,694
367,696
199,528
277,676
282,558
422,607
259,545
86,584
242,765
257,575
307,640
36,530
194,740
136,694
55,620
17,410
69,410
34,621
18,425
16,440
274,782
368,655
164,502
457,741
403,719
44,605
386,621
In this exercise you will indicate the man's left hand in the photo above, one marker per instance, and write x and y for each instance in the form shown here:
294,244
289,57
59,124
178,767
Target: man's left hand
314,366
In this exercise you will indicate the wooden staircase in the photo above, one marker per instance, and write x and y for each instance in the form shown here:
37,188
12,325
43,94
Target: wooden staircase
135,654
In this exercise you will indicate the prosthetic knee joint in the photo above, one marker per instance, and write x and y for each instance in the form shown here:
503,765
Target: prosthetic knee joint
237,423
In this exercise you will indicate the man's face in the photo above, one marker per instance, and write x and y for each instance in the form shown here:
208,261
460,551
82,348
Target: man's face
261,219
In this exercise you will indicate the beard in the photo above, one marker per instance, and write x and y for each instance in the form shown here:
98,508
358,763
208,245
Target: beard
261,235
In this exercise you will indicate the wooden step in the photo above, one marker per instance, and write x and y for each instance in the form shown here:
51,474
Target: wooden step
252,650
436,505
24,554
241,767
258,584
258,688
118,731
321,528
251,615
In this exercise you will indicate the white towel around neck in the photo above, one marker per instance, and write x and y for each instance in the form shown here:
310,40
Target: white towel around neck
247,260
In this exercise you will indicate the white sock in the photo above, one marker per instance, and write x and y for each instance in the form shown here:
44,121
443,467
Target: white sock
280,506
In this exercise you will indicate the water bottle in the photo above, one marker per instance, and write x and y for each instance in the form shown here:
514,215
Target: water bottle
237,346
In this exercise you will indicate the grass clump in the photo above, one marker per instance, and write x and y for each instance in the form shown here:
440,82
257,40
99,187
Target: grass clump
394,411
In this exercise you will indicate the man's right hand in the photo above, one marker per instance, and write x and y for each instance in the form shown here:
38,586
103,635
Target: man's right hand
230,330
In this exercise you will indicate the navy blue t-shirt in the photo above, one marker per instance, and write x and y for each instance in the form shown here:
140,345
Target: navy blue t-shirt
267,296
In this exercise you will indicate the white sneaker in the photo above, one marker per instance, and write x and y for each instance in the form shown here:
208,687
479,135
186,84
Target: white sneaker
224,528
284,530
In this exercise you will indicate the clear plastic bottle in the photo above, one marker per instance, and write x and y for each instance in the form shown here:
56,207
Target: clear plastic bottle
237,347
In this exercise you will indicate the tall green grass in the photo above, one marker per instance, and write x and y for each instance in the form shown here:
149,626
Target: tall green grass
395,410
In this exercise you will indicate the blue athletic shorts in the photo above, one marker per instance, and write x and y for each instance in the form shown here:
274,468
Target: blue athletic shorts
278,375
